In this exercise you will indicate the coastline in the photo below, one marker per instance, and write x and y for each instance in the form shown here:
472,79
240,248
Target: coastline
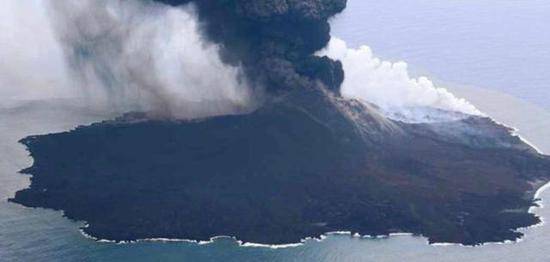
538,188
484,57
536,194
536,197
514,131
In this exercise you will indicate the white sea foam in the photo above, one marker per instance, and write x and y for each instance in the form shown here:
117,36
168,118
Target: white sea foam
401,103
324,236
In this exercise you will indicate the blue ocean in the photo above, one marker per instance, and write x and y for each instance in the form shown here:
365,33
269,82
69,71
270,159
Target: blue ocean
494,53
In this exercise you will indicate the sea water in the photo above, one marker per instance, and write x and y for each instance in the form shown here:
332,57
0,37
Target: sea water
501,46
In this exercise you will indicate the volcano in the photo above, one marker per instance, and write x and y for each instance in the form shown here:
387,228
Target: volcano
303,164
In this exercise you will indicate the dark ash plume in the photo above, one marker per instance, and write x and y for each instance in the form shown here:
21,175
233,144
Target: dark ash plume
275,40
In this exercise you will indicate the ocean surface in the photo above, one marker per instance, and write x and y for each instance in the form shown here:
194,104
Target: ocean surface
495,53
501,45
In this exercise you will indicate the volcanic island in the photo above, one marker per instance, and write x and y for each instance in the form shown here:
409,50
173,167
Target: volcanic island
304,163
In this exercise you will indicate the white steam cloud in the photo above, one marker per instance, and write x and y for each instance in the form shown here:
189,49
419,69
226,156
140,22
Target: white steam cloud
389,86
31,64
116,55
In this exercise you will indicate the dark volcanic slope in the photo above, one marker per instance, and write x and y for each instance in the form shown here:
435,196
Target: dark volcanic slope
298,167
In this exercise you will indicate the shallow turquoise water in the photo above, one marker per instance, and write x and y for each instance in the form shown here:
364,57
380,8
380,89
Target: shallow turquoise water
499,45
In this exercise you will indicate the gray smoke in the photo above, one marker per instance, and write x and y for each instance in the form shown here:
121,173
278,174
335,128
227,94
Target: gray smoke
121,56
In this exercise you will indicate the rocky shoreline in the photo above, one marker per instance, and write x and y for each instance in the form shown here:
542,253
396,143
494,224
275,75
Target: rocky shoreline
296,168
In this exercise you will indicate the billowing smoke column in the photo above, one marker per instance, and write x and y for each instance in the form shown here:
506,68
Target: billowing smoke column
198,58
118,56
389,86
274,40
278,43
142,52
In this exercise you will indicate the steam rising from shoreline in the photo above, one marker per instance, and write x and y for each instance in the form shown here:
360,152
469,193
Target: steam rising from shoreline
120,55
389,86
